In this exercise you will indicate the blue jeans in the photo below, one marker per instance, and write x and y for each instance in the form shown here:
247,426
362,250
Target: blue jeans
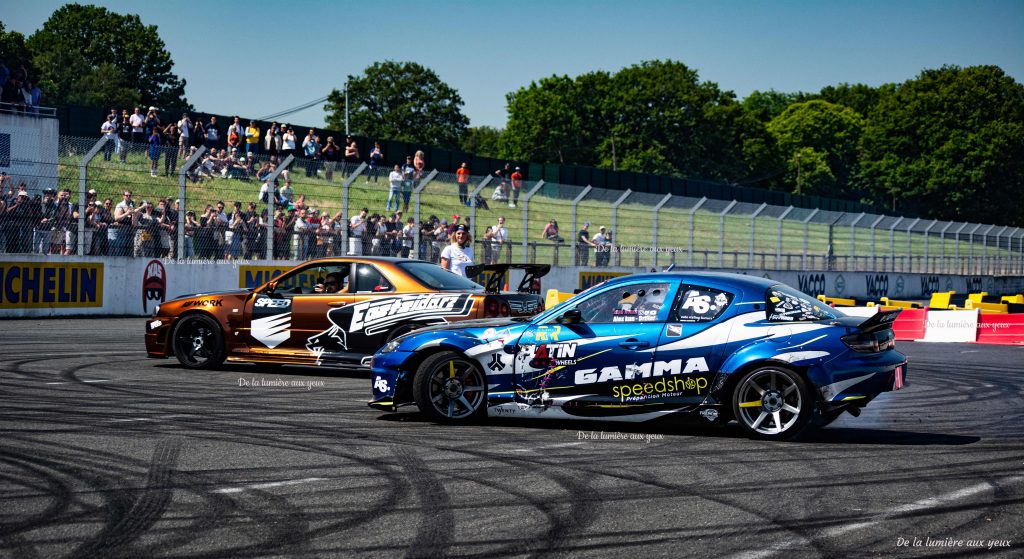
392,196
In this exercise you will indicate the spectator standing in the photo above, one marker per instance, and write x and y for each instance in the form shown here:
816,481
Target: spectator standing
408,176
212,133
462,178
198,136
191,226
273,140
138,123
172,138
394,185
235,134
124,136
152,120
255,231
144,223
155,142
351,157
602,247
439,240
500,238
376,161
184,140
102,219
311,149
252,139
119,231
330,153
356,231
458,254
408,236
109,131
487,244
45,223
517,184
583,245
288,143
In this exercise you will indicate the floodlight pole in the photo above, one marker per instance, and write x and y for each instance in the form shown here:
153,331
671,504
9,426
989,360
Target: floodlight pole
615,220
271,199
575,227
654,232
83,172
693,210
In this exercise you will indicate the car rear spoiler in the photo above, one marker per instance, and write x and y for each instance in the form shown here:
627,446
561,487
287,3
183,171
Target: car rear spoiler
879,321
498,271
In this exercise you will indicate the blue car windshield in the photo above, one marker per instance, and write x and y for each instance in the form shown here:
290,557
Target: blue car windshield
436,277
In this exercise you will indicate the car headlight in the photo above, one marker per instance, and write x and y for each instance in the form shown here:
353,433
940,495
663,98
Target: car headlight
390,347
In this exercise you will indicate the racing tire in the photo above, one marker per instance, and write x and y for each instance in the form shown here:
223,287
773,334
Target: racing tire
450,388
772,403
198,342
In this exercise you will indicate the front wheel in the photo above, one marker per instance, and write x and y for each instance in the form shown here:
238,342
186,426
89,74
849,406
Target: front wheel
450,388
772,403
198,342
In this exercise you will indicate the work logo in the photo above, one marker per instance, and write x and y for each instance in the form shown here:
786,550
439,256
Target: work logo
203,303
378,315
154,285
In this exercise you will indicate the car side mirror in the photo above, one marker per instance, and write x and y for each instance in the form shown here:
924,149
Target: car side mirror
571,316
271,287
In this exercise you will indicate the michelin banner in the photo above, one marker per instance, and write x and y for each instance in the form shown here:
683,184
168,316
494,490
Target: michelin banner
37,286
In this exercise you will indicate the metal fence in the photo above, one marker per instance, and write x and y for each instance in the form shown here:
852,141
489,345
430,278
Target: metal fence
184,202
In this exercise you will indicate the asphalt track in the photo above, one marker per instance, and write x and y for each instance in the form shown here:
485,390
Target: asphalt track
106,453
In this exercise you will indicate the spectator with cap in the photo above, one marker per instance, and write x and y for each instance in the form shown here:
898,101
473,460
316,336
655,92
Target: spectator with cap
583,245
356,231
454,224
109,131
459,253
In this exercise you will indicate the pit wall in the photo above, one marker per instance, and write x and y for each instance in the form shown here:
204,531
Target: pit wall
42,286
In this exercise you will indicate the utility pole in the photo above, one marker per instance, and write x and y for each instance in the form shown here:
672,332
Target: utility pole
346,108
798,173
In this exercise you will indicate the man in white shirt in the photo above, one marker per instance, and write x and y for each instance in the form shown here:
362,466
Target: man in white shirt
356,230
500,238
602,247
138,123
185,127
109,131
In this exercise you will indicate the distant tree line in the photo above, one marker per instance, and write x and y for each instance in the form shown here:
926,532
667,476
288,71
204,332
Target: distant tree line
948,143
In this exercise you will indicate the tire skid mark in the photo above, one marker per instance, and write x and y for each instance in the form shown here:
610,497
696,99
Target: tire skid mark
130,522
436,521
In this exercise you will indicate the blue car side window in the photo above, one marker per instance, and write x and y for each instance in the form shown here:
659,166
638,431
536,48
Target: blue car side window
700,304
634,303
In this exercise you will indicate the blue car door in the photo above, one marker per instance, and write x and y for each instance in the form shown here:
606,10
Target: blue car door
582,367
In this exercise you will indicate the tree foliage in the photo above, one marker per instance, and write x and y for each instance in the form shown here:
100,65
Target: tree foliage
400,101
13,51
949,144
820,131
653,117
110,51
766,105
482,140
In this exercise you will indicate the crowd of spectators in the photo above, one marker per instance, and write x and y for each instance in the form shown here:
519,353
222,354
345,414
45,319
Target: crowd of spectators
18,93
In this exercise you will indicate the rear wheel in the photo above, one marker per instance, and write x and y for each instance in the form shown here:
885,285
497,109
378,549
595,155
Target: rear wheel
198,342
772,403
450,388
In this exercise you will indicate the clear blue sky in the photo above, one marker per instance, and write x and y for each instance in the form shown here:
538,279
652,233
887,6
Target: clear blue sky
255,57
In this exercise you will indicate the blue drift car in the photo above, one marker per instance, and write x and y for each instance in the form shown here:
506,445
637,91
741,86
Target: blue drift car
713,346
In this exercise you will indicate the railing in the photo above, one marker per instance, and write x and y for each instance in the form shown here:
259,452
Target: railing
640,230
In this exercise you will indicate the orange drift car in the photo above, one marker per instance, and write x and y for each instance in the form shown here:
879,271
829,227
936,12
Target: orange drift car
333,311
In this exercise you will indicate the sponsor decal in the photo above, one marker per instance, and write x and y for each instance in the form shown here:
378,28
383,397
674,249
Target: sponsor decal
929,285
273,330
26,285
203,303
267,302
674,330
709,414
900,284
590,279
811,284
546,333
523,306
378,315
380,384
645,370
155,324
661,388
496,363
154,285
545,356
840,287
250,277
877,284
974,284
702,305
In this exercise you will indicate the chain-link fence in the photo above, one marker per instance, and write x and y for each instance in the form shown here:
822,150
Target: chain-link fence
182,201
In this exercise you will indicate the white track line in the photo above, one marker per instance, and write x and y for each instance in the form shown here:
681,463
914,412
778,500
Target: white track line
229,490
559,445
923,504
93,380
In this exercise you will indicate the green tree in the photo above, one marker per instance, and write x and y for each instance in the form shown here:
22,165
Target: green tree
400,101
13,51
482,140
831,133
949,144
80,40
766,105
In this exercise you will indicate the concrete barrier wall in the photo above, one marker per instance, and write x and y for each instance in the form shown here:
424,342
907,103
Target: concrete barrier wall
34,286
